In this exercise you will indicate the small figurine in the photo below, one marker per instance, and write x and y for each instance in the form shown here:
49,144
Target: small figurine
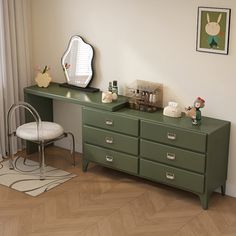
43,78
194,112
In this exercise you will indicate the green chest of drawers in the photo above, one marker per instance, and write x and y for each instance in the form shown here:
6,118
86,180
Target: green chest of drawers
162,149
167,150
111,140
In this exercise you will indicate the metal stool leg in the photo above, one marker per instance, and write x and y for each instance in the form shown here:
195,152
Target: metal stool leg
72,150
25,158
42,162
39,154
10,152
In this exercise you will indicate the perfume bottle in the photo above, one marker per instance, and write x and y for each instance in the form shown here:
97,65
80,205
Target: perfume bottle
115,87
110,87
114,90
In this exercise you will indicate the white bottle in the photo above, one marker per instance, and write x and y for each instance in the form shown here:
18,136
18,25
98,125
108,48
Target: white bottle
154,98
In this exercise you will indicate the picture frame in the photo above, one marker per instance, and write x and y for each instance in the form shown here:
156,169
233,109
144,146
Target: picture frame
213,29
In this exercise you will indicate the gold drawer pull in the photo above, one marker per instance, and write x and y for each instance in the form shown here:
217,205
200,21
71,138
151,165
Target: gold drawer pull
109,140
109,122
170,176
170,156
109,158
171,136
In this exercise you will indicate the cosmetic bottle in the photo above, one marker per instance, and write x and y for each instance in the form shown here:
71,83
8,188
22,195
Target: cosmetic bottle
110,87
114,90
114,87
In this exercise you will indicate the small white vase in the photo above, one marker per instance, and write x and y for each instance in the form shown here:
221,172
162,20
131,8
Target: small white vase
43,79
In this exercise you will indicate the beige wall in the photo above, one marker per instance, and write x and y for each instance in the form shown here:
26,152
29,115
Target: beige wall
141,39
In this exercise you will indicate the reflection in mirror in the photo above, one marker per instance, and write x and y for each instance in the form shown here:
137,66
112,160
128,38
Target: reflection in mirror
77,62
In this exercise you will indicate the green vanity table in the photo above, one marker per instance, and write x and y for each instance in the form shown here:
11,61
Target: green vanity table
167,150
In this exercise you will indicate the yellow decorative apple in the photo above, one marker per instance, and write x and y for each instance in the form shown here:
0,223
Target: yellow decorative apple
43,79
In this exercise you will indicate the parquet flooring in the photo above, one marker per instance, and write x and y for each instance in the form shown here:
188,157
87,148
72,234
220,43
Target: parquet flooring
105,202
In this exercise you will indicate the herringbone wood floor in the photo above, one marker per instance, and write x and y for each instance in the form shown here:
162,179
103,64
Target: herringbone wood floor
104,202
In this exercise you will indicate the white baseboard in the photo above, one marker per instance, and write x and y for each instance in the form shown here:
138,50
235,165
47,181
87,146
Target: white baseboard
66,145
231,190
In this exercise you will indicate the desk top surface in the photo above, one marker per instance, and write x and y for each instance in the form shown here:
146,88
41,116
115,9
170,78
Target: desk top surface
93,100
54,91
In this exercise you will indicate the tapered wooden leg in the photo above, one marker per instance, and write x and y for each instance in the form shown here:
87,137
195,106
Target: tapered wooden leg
85,164
223,186
204,198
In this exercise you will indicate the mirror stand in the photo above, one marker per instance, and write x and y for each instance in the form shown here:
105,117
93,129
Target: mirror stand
87,89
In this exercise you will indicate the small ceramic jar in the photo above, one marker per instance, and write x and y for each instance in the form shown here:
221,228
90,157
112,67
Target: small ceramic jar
107,97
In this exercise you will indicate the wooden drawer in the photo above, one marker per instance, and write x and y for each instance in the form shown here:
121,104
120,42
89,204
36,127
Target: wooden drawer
171,175
112,140
111,121
174,136
172,156
110,158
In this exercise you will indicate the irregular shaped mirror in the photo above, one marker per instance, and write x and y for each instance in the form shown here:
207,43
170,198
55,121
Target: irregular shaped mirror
77,62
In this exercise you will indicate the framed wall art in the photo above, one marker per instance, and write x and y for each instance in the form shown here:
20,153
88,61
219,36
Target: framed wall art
213,30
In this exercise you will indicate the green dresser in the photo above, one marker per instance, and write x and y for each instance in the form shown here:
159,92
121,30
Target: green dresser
111,140
167,150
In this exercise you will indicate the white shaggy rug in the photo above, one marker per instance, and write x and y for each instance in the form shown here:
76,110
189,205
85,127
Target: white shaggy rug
25,177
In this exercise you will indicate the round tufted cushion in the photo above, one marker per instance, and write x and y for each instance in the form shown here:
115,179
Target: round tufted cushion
47,130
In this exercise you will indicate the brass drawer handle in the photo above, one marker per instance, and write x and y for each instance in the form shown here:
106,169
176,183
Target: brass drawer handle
170,176
109,158
109,122
109,140
171,136
170,156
